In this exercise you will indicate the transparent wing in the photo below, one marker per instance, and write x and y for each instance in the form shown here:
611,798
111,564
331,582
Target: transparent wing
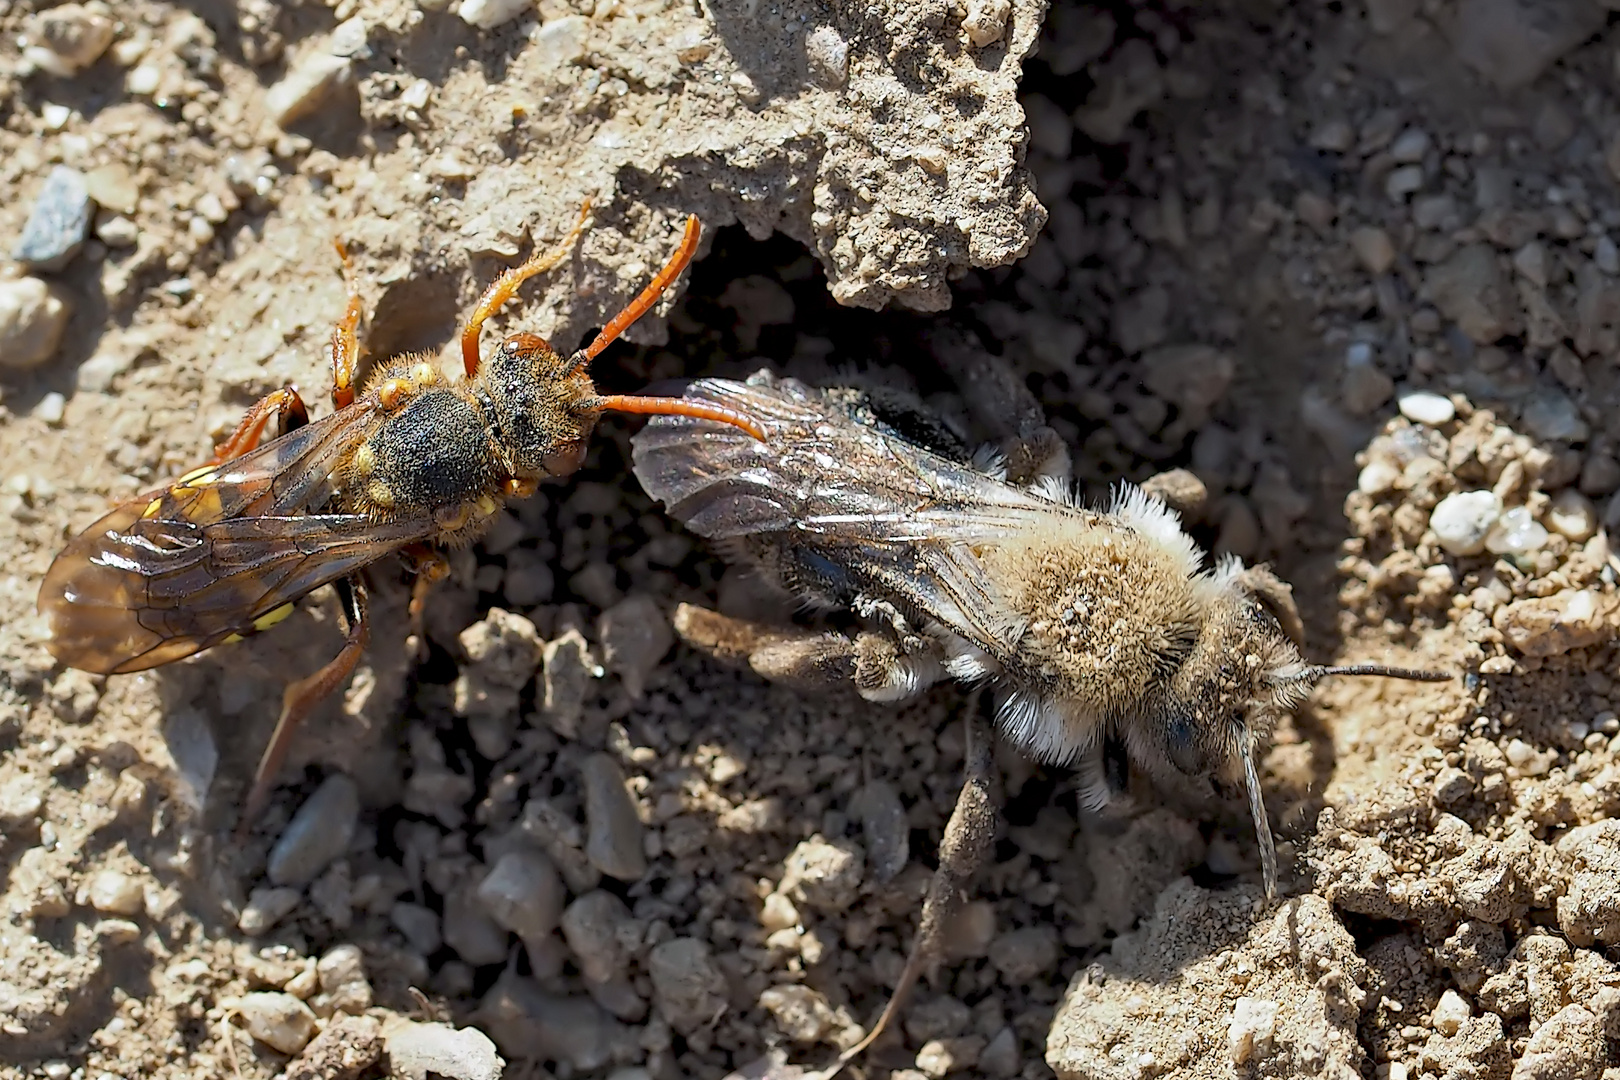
892,513
174,572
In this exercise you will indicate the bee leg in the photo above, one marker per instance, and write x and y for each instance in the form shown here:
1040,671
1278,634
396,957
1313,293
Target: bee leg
1180,490
284,404
430,567
968,836
803,659
301,697
344,348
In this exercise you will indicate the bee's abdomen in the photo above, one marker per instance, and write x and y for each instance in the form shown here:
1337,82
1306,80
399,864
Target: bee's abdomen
434,452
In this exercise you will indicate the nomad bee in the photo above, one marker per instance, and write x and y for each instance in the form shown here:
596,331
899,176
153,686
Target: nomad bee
409,461
1108,640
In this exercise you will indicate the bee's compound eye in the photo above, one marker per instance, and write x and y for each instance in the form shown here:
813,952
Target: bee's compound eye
1181,743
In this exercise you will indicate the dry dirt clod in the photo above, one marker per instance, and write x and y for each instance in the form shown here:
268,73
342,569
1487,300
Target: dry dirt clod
613,838
417,1051
345,1049
524,894
687,986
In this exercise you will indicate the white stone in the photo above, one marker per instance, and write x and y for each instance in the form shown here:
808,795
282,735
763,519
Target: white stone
1426,407
1463,520
1254,1022
1451,1013
280,1021
1516,533
488,14
33,316
1377,477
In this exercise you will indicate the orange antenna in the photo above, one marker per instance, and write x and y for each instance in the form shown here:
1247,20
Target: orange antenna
673,406
649,296
501,289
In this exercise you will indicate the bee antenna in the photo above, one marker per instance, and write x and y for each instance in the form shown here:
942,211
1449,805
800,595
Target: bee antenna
1262,824
640,305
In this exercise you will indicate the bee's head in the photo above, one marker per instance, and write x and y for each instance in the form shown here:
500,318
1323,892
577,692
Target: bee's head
1242,675
543,406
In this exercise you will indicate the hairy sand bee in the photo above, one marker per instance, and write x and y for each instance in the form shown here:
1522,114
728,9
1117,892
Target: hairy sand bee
409,461
1108,640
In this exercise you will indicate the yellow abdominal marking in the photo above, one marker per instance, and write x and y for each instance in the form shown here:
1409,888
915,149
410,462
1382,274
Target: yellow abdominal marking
153,507
272,617
197,478
364,460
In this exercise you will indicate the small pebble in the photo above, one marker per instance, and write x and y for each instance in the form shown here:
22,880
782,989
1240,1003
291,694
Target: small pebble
265,908
801,1012
1553,625
280,1021
825,875
417,1051
469,929
885,827
1426,407
524,894
561,41
1451,1013
419,924
689,988
938,1058
33,317
58,223
51,408
613,831
1373,249
488,14
827,55
527,1022
1024,954
69,38
1551,415
305,88
113,187
1254,1022
1377,477
318,833
1403,181
113,893
1409,146
592,927
635,635
118,231
1452,785
344,1050
566,680
1572,515
1463,519
778,913
1516,532
1000,1059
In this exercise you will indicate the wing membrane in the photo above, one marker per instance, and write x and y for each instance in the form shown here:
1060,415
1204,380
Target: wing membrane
176,571
906,519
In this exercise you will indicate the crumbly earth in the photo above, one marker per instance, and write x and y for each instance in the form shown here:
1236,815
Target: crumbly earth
1265,224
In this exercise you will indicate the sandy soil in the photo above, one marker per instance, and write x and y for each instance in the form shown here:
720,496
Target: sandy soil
1262,227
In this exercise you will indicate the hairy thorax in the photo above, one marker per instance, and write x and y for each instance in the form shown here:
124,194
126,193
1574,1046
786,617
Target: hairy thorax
1106,611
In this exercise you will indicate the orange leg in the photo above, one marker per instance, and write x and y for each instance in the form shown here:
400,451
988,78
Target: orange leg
284,404
344,348
674,406
301,697
649,296
501,289
430,567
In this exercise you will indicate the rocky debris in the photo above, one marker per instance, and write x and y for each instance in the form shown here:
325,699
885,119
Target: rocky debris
314,78
33,317
319,832
1159,988
885,828
1568,1046
688,988
343,1050
1551,625
265,908
417,1051
1589,910
58,223
1427,407
503,652
488,14
280,1021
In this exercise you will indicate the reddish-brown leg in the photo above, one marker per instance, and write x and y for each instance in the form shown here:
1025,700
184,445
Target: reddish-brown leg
501,289
430,567
344,348
284,405
649,296
301,697
674,406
